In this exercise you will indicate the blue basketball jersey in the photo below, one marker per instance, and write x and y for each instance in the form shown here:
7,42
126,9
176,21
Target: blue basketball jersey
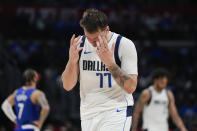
26,111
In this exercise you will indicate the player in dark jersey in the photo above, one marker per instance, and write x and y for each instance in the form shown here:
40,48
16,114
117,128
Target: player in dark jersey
30,104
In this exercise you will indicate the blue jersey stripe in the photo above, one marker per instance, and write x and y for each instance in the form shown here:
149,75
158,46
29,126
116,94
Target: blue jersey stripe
126,114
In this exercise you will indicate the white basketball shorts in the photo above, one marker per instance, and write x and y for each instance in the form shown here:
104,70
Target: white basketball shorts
113,120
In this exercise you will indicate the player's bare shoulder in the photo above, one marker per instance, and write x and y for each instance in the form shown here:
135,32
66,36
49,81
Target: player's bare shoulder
145,96
38,97
11,97
170,96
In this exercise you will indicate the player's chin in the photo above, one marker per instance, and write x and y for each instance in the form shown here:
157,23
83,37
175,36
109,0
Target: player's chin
162,87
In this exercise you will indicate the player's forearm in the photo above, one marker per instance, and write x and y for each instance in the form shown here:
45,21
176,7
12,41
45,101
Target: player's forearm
43,114
7,109
70,76
45,108
179,123
136,115
174,113
127,82
135,121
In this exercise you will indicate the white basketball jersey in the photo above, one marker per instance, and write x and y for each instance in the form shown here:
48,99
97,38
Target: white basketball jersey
98,90
155,113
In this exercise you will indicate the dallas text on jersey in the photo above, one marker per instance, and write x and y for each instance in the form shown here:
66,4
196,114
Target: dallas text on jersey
94,66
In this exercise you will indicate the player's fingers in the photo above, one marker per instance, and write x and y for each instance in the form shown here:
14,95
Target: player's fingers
77,43
98,45
113,47
101,42
104,46
35,123
77,39
79,49
105,43
98,52
72,39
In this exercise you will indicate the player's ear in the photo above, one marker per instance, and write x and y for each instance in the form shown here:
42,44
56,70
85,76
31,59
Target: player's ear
107,28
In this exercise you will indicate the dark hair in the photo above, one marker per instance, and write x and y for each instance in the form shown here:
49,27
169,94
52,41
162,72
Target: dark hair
93,20
29,75
160,73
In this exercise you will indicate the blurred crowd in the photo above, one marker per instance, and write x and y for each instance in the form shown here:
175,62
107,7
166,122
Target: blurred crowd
108,3
141,23
39,38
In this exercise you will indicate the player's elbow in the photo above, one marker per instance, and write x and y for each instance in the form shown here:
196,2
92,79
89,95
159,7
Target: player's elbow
130,90
46,108
66,85
131,87
67,88
5,105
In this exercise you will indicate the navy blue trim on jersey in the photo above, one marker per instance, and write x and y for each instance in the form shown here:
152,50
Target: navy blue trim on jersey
82,44
166,90
150,97
116,54
129,111
126,114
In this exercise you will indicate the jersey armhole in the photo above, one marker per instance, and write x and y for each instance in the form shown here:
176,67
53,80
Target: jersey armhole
34,102
116,51
167,96
81,45
148,102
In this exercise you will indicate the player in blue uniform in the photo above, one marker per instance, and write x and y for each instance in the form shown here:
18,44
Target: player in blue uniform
30,104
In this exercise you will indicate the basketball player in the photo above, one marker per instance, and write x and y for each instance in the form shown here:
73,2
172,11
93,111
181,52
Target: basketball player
157,102
107,66
31,106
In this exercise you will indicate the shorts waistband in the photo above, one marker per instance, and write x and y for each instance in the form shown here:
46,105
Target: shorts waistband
29,126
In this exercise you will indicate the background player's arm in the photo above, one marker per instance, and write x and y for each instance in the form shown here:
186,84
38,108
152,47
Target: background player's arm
7,107
174,114
40,98
143,99
71,73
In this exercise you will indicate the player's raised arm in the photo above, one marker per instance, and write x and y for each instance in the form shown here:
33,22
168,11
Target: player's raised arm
40,98
125,80
174,114
143,99
7,107
70,74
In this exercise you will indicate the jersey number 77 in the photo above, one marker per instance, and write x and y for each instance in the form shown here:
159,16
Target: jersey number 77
101,78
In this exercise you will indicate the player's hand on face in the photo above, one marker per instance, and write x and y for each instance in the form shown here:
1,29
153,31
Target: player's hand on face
74,50
105,54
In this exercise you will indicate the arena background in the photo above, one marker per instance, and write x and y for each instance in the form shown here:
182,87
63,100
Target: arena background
35,34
